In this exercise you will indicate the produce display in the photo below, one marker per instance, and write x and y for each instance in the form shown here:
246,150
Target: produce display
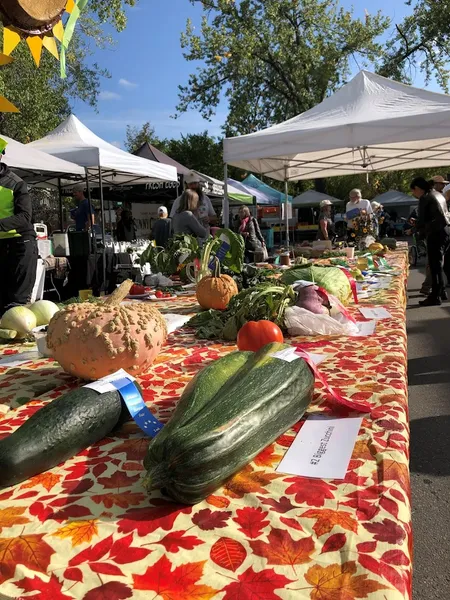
91,341
180,250
58,431
254,335
43,310
213,433
332,279
18,322
266,301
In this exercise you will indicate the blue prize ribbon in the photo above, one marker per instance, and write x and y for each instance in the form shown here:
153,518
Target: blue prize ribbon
138,410
220,254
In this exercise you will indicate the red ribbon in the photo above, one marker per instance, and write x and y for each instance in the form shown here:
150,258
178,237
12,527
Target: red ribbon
333,300
352,284
337,397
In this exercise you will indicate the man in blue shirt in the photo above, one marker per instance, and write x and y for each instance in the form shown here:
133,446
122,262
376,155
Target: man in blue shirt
81,213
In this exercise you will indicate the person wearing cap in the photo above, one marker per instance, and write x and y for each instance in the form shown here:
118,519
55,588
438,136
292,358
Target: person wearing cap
326,225
81,213
18,247
205,212
162,228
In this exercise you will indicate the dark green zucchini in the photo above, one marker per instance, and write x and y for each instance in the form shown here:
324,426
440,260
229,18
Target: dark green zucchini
58,431
263,398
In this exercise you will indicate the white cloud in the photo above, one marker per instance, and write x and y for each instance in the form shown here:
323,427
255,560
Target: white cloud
116,144
109,96
127,84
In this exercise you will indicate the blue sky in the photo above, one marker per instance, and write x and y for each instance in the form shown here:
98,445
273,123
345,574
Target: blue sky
147,65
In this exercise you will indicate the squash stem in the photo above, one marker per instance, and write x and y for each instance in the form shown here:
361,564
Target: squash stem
120,293
156,478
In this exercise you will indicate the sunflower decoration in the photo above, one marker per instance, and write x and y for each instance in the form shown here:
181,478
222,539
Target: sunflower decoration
364,228
40,23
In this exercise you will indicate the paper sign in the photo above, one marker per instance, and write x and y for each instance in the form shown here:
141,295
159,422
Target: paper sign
365,328
375,313
290,354
175,321
322,448
15,360
106,384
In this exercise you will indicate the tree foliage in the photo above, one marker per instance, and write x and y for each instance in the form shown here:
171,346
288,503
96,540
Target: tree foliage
273,59
41,95
138,136
199,151
420,43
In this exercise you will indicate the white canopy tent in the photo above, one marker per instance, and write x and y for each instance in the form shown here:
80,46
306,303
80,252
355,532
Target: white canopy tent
36,167
104,164
370,124
73,141
313,198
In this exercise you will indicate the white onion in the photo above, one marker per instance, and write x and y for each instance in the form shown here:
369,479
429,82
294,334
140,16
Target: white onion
44,311
20,319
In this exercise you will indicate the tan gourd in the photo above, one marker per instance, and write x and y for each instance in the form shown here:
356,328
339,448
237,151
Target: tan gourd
215,291
91,341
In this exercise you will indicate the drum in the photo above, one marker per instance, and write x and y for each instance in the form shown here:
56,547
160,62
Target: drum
32,16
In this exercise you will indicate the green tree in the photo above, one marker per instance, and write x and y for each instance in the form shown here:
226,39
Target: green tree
273,59
41,95
420,43
138,136
199,151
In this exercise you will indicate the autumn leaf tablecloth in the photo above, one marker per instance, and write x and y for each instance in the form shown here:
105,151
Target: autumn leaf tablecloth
86,530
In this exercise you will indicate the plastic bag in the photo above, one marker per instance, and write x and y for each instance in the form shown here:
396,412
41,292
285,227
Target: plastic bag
300,321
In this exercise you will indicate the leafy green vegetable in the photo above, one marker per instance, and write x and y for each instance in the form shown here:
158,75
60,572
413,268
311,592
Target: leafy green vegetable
181,249
250,276
331,279
263,302
234,258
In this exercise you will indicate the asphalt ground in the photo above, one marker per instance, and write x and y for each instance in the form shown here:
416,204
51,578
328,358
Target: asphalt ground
429,406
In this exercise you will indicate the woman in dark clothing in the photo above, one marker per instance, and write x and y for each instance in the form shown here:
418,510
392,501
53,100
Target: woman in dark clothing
126,227
433,225
250,231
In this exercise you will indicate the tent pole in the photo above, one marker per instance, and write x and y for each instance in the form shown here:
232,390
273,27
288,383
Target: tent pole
102,210
226,203
286,214
61,212
88,190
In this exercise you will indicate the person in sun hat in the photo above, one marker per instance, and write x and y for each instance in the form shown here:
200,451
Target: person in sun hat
18,247
326,224
162,228
205,212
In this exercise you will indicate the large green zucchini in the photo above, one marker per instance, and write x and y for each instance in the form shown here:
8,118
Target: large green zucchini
58,431
207,441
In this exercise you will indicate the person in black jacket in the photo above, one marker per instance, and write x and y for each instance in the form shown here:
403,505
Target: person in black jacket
433,225
126,227
18,247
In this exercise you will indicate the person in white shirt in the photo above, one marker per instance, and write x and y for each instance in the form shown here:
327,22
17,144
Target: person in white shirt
354,207
205,212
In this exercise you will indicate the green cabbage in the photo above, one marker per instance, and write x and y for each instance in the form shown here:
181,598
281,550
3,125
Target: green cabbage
331,279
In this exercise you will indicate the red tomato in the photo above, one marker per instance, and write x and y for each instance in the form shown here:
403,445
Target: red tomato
257,334
159,294
137,290
167,295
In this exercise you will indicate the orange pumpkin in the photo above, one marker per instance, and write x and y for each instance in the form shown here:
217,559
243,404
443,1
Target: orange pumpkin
215,291
91,341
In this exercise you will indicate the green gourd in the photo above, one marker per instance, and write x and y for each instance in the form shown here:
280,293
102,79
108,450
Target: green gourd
58,431
208,440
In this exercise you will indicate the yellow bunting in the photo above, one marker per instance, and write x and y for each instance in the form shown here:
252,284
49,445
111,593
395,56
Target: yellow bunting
5,60
10,40
50,45
35,45
6,106
58,31
69,6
